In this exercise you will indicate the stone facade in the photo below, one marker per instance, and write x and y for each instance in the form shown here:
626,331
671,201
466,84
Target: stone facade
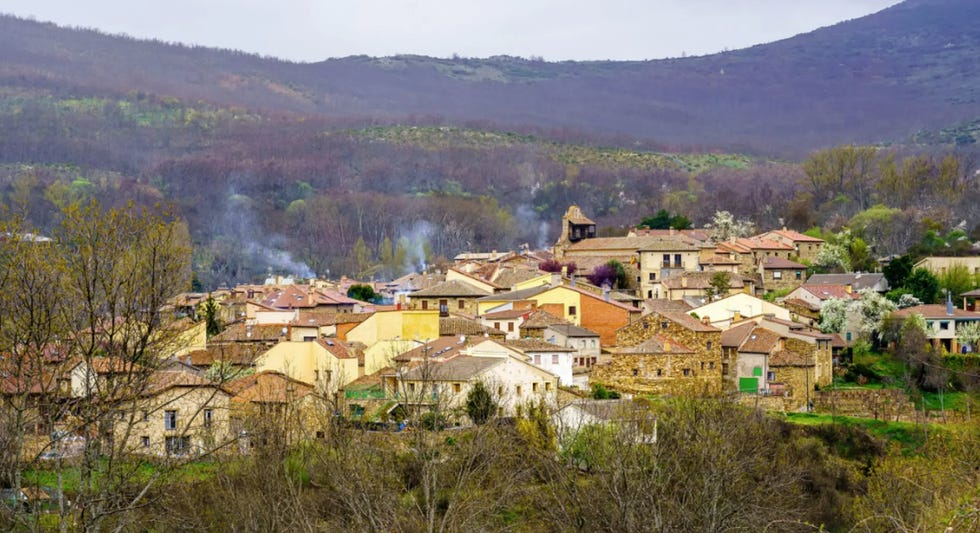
687,362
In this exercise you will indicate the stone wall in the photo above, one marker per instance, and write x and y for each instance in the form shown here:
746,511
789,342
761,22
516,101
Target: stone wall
638,372
675,374
880,404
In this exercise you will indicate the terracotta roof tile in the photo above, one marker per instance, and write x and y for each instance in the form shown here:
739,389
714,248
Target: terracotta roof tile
688,321
455,326
535,345
450,289
761,340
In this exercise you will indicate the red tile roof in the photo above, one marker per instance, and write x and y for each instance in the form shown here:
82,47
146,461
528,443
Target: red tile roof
778,263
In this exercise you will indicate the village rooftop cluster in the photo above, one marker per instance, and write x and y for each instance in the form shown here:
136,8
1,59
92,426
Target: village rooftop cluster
291,358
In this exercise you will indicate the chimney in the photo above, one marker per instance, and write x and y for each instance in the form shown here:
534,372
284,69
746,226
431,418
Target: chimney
684,280
605,292
848,288
555,279
666,345
706,321
737,316
949,302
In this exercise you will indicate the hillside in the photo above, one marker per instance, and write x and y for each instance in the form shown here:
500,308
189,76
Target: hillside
883,77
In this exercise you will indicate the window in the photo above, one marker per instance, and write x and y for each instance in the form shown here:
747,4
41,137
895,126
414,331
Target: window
777,274
411,387
687,371
664,324
518,390
316,375
771,376
943,325
666,260
510,326
799,275
554,359
848,336
711,365
500,392
178,445
708,345
457,387
170,420
534,387
425,305
649,294
702,365
677,260
146,416
537,359
496,325
724,369
462,304
660,372
572,311
208,417
653,276
145,441
636,371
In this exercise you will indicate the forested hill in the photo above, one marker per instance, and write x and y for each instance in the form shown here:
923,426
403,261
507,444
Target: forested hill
883,77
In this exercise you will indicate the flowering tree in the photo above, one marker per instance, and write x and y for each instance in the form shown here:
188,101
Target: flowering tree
833,315
723,226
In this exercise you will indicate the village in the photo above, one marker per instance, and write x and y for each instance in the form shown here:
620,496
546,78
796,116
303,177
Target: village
286,359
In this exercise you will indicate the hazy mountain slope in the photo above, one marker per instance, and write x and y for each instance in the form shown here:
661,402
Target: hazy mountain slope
882,77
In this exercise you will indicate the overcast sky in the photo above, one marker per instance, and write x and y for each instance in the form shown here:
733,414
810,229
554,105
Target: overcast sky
312,30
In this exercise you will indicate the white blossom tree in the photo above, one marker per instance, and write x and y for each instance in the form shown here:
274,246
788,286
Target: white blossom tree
870,309
724,226
833,315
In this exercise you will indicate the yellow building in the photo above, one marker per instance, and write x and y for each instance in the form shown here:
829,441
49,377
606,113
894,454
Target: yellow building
398,324
324,363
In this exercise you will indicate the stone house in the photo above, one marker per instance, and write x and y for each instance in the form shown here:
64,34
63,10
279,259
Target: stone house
690,344
178,413
749,252
456,296
805,247
270,407
771,364
660,365
780,274
695,285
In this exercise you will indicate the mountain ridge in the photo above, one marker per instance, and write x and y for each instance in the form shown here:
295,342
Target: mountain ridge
879,78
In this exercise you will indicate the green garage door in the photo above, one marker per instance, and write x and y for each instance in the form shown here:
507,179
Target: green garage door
748,385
